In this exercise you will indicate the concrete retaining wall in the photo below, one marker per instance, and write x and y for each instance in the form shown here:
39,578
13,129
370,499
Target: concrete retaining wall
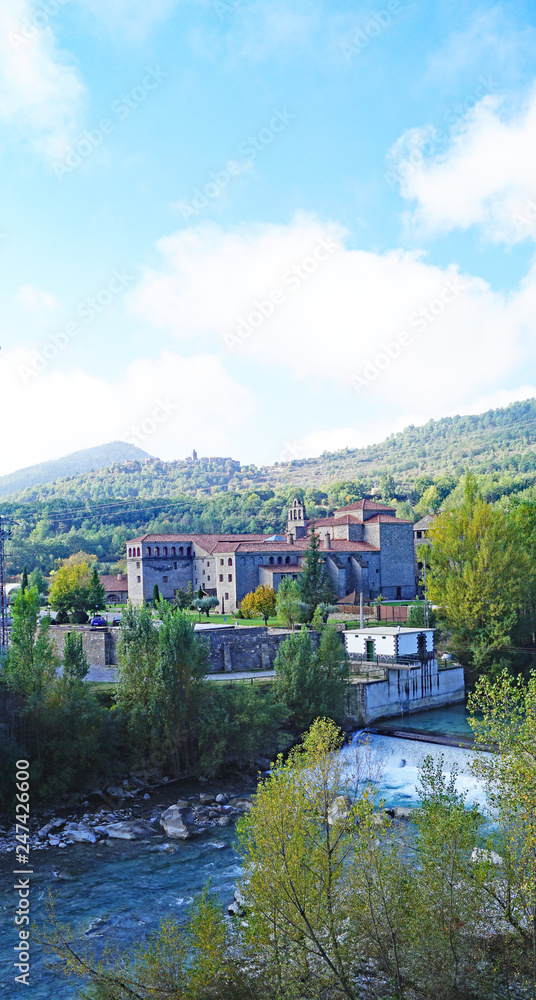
405,691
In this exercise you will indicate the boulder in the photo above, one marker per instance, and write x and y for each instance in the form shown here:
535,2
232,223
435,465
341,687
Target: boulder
116,792
53,841
79,834
225,821
239,905
178,822
243,805
129,830
401,812
221,799
55,824
339,810
206,799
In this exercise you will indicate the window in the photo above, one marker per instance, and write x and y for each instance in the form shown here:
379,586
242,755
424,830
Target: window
189,550
399,592
230,578
287,560
174,565
138,552
221,577
130,552
208,578
419,534
148,550
229,562
173,551
164,578
157,551
377,571
271,560
279,560
227,597
138,579
165,550
221,562
181,551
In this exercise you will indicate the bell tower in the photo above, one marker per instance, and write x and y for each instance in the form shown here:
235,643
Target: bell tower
296,521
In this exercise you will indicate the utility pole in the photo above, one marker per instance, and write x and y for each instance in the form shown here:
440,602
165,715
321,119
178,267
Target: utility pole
426,617
5,532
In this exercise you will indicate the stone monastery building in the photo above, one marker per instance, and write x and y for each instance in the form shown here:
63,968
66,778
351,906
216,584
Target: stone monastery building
365,546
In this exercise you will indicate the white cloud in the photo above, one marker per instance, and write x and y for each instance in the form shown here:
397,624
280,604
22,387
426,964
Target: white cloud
486,176
156,404
389,325
31,299
40,91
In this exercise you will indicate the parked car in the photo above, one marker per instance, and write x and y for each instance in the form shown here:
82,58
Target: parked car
98,620
116,621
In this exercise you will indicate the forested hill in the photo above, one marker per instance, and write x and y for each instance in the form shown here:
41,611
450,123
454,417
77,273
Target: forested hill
86,460
417,471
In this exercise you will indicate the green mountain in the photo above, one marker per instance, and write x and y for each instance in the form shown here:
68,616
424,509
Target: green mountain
418,471
87,460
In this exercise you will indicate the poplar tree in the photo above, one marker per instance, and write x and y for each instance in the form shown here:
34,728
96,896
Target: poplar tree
314,584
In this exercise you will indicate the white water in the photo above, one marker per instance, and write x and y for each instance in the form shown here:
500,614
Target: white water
396,762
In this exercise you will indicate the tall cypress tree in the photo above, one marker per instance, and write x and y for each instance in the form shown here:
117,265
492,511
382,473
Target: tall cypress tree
315,586
24,581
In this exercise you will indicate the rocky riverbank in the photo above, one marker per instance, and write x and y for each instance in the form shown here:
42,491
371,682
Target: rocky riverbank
136,811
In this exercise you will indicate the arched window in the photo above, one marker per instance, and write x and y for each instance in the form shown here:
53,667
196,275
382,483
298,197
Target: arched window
271,560
148,550
189,550
287,560
157,551
181,551
130,552
173,551
139,553
279,560
229,562
165,550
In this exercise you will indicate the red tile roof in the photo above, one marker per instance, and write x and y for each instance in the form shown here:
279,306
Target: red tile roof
111,583
346,519
364,505
384,519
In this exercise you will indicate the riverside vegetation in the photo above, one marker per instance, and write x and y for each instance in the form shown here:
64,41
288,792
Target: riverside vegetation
338,901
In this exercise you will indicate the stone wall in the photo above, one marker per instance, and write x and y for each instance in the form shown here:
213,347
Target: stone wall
230,649
405,691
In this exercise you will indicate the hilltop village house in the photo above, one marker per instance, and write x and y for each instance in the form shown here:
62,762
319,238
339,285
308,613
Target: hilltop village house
366,549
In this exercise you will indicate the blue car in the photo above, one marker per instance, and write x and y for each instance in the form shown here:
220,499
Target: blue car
98,620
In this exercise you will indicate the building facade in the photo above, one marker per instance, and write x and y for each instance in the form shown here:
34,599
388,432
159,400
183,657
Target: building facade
365,547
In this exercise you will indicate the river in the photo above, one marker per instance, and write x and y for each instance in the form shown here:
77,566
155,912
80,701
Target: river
121,891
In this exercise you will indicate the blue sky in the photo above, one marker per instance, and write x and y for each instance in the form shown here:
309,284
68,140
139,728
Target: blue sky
262,229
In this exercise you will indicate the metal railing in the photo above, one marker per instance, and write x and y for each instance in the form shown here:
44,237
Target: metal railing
385,661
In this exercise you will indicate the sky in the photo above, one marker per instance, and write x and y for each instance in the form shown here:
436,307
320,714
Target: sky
262,228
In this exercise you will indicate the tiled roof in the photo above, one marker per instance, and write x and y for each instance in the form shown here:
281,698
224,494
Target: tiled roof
342,545
385,519
425,522
111,583
282,569
364,505
346,519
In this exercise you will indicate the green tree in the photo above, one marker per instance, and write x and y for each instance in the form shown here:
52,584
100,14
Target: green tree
24,581
180,671
480,575
31,662
36,579
96,597
137,683
311,684
75,663
315,587
156,595
289,605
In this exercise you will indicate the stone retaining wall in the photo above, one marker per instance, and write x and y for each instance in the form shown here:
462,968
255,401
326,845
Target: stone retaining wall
230,649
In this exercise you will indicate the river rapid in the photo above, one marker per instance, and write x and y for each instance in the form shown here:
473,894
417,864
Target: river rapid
119,890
